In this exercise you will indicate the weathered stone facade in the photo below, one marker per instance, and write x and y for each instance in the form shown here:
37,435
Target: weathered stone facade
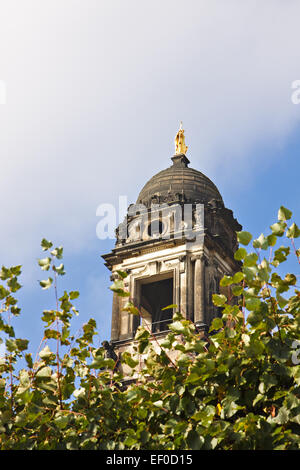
173,264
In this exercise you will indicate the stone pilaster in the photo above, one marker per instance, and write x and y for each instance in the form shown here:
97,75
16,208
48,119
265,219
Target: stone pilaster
199,290
115,321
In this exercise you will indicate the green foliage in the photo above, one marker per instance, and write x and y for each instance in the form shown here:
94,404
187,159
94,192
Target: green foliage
237,388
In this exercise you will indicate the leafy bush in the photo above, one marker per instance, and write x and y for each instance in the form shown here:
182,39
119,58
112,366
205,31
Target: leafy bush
238,388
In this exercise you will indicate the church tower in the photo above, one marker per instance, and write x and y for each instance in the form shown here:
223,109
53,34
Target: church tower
176,243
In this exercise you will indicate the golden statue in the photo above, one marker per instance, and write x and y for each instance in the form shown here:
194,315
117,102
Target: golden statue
180,147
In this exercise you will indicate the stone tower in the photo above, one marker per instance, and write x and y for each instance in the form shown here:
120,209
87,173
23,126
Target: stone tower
176,243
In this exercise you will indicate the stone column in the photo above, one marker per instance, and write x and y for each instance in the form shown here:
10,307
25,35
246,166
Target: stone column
199,288
190,288
115,320
182,286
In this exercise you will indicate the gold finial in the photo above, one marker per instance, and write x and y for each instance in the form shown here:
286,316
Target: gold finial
180,147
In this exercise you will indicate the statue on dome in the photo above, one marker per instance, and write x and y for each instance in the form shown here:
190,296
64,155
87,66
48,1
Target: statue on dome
180,147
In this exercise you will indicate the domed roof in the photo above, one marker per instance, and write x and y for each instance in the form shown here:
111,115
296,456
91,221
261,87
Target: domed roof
179,183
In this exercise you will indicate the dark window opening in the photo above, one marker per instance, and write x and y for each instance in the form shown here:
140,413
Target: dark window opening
156,229
154,297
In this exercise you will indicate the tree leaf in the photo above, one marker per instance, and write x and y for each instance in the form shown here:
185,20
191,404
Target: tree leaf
226,281
244,237
293,231
46,284
219,299
44,263
57,252
45,244
278,228
284,214
240,254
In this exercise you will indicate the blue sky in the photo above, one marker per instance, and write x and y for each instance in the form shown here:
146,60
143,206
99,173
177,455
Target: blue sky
95,94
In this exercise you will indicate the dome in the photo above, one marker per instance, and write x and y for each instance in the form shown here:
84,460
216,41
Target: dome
179,183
